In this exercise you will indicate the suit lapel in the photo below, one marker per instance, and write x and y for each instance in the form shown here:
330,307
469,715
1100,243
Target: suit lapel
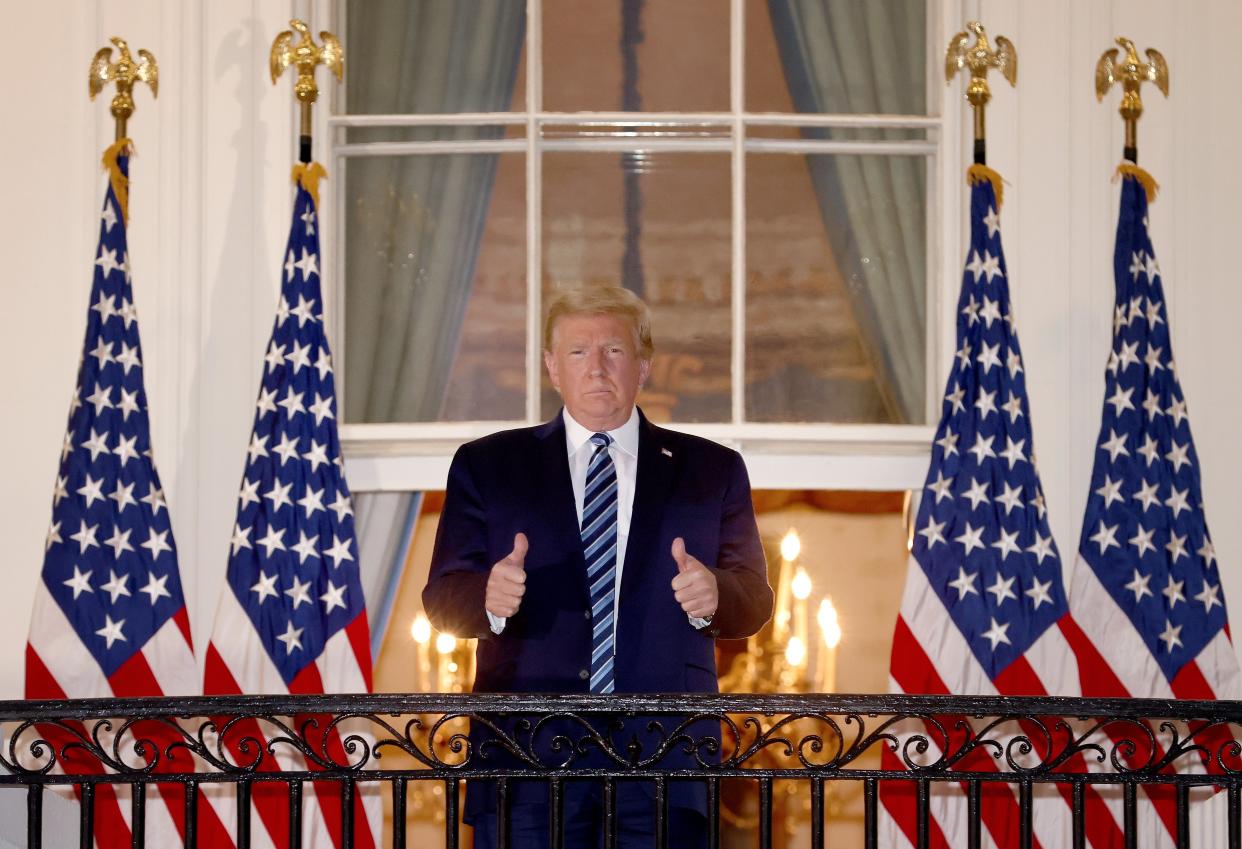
555,491
651,491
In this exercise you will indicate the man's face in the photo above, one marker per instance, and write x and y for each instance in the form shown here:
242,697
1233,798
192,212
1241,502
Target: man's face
595,366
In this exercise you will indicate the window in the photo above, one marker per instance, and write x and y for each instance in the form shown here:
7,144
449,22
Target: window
762,172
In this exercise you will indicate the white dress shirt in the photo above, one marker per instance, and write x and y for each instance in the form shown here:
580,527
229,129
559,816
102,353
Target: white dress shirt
624,452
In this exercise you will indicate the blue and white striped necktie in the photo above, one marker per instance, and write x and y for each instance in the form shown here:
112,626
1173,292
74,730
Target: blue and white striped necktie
599,545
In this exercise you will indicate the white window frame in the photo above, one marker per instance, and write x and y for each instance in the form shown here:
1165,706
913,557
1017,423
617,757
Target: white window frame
416,456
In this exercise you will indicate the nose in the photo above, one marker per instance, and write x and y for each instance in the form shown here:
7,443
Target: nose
595,361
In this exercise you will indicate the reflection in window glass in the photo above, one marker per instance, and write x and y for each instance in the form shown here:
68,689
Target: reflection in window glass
435,289
660,225
636,55
836,288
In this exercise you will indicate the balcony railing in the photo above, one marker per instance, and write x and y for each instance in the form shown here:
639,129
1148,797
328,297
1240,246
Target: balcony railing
958,746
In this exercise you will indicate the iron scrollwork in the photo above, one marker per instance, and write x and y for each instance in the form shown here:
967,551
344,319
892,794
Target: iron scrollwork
947,738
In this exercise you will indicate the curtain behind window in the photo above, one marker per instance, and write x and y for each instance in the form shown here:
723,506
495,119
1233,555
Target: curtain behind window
413,225
868,57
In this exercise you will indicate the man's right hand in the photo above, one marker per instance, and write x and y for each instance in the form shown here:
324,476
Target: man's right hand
507,581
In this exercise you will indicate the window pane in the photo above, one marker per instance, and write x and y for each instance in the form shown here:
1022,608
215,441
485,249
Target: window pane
636,55
660,225
837,56
836,293
433,56
435,289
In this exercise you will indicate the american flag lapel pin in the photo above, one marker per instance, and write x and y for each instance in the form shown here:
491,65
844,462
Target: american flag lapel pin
666,452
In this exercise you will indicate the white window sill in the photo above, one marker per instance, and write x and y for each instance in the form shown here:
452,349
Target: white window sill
405,457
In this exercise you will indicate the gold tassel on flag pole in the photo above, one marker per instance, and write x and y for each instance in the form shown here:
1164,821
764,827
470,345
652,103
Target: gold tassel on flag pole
980,58
120,185
306,55
1131,73
124,72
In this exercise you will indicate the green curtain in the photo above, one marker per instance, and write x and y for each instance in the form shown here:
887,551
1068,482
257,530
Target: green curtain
413,226
869,57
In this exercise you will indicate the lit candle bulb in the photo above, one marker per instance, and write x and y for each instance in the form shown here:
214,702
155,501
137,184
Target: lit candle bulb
830,630
791,547
801,585
445,644
801,589
795,652
420,630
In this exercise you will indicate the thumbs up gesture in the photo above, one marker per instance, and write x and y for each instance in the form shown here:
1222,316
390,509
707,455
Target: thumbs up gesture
507,581
695,585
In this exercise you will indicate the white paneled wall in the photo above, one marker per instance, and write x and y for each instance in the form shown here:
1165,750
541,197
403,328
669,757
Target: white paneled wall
211,194
1058,149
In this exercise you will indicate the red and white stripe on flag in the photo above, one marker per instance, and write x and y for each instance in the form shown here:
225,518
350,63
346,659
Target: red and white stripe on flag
1146,570
109,616
237,665
1145,586
291,617
985,610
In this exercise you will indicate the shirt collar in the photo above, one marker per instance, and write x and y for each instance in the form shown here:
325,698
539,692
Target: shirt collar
625,437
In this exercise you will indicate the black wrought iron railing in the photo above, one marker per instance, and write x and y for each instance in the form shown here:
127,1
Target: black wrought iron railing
913,757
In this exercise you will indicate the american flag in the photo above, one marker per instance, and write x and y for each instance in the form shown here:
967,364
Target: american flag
1146,586
109,612
985,610
291,617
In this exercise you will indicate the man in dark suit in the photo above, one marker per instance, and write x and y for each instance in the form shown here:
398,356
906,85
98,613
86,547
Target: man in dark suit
596,553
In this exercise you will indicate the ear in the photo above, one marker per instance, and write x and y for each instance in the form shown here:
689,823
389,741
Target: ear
549,363
644,370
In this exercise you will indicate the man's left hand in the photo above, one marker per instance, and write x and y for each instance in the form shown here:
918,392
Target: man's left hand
695,585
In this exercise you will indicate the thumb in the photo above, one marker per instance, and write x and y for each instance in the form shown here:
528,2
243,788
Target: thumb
517,557
679,554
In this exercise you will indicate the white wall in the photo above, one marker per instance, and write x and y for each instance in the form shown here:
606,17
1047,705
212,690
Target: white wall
211,195
1058,148
210,198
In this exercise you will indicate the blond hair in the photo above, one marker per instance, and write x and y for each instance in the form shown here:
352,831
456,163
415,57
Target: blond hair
602,300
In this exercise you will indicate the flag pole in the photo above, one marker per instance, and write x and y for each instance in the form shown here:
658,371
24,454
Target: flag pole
306,55
980,58
1131,73
125,71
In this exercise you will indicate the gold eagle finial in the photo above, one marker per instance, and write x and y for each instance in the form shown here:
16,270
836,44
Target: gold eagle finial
980,58
306,55
1131,72
125,71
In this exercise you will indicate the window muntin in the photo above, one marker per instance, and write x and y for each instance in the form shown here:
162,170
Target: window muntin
752,145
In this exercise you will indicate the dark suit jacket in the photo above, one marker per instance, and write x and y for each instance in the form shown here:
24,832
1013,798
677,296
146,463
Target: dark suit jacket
518,480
